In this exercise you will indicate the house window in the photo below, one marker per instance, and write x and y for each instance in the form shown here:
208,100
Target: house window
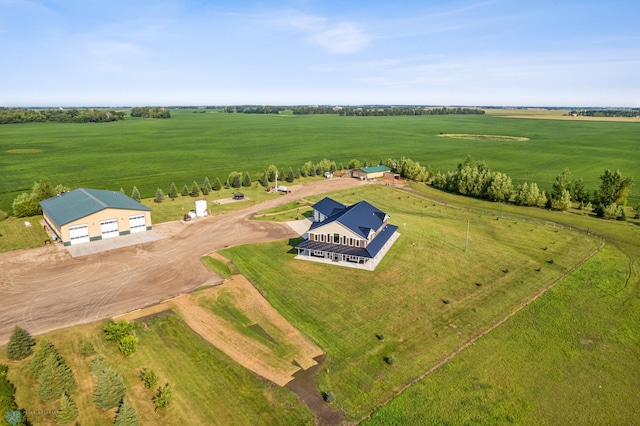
336,238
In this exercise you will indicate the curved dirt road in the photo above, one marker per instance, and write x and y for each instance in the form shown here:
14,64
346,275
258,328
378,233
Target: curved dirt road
45,289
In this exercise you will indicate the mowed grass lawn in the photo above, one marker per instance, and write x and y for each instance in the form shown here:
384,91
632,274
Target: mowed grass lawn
427,298
152,154
209,388
569,358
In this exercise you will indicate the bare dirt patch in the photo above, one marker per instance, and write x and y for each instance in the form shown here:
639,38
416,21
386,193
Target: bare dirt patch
281,352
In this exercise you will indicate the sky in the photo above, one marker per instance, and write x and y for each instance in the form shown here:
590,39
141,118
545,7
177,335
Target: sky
293,52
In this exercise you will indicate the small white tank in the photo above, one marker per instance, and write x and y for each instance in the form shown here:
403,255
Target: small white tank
201,208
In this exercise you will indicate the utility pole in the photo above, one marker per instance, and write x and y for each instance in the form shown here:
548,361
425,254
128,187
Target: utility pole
466,243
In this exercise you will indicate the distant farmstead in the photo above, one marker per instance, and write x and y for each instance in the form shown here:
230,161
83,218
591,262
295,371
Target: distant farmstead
367,173
357,236
85,215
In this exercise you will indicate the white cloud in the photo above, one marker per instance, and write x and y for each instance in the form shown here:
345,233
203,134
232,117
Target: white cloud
342,37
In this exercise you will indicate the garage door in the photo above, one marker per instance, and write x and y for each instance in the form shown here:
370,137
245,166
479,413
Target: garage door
109,228
137,223
79,234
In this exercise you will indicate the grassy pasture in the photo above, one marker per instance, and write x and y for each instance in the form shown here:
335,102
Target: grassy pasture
426,298
153,153
570,358
209,388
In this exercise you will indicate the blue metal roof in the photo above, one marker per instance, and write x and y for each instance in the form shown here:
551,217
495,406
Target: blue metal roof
81,202
328,206
360,218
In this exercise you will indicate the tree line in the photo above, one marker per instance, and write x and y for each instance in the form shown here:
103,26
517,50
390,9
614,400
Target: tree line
369,110
475,179
632,113
15,116
150,112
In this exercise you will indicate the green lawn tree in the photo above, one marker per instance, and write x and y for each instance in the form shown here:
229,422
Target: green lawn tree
20,344
206,186
195,189
126,416
173,191
110,389
122,333
7,393
162,398
217,185
614,189
135,194
159,196
55,378
236,183
271,172
149,377
68,411
246,182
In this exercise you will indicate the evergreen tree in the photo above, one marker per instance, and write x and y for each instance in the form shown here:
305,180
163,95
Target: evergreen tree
110,390
332,167
236,181
264,181
20,344
290,175
341,166
206,186
55,378
135,194
159,196
195,189
173,191
68,411
366,163
246,182
126,416
312,172
217,186
185,190
319,170
44,350
296,175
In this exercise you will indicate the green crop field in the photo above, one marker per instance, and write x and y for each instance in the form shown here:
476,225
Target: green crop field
153,153
427,297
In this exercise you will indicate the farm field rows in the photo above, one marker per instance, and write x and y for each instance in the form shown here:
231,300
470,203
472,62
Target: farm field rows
152,154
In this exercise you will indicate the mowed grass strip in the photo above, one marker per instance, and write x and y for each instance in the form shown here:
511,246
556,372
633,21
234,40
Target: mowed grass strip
427,297
570,358
209,388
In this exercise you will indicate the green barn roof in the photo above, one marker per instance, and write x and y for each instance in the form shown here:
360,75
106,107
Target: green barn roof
375,169
81,202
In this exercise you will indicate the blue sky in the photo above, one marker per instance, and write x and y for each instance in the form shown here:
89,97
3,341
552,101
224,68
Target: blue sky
197,52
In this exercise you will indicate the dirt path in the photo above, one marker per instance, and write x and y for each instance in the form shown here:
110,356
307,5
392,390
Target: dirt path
234,338
44,289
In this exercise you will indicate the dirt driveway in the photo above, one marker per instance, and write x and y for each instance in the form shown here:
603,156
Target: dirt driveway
46,289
